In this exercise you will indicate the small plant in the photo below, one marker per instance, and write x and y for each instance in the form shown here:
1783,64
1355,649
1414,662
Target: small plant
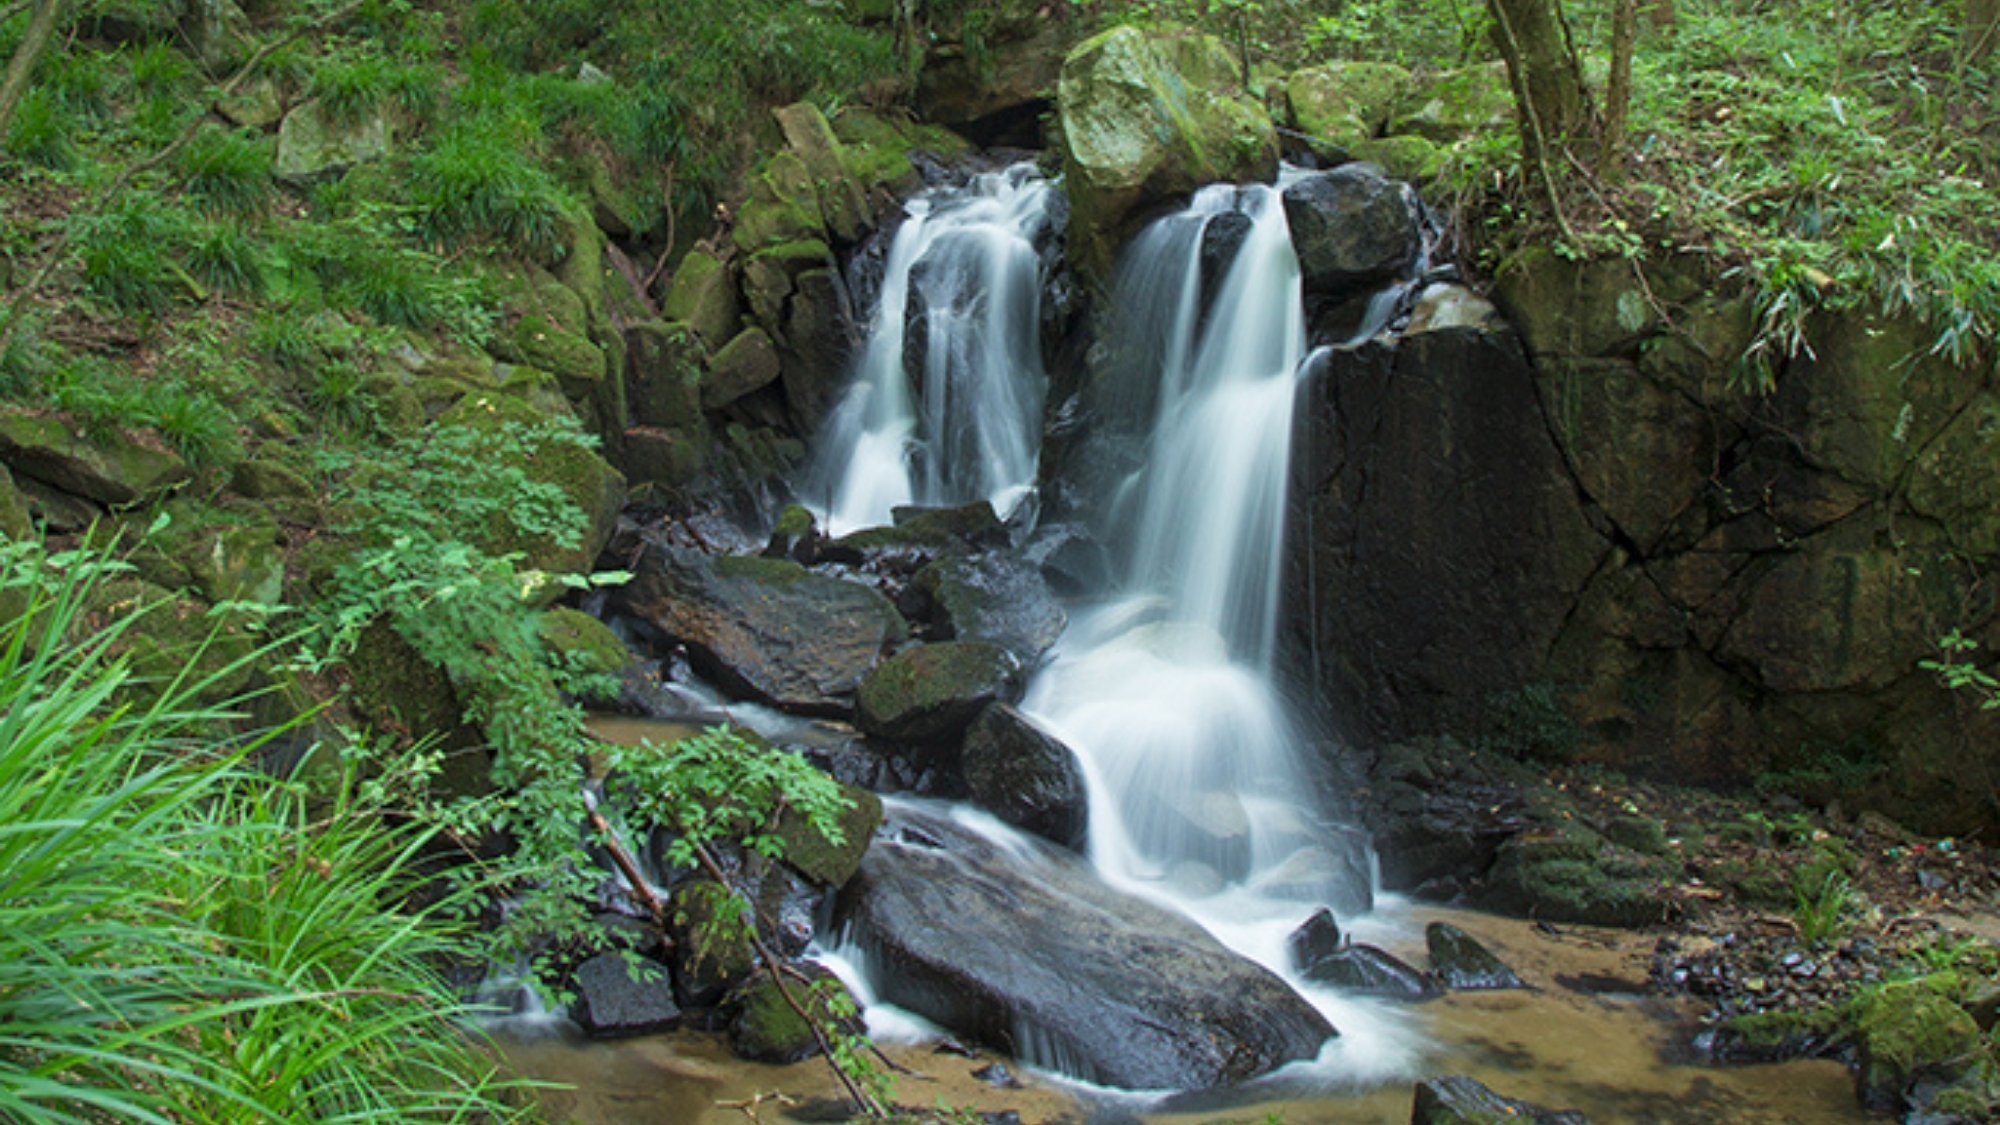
157,68
223,257
198,426
351,88
1822,901
227,171
338,395
39,135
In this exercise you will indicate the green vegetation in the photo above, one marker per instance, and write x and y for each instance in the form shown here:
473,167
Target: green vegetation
181,938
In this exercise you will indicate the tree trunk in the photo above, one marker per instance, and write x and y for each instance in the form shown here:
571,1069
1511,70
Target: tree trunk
41,26
1547,80
1618,91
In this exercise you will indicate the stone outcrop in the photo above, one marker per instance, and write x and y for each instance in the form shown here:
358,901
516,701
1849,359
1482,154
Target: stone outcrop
1601,539
1148,117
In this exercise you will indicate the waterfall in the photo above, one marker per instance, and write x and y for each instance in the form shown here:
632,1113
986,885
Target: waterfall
1164,687
960,298
1166,691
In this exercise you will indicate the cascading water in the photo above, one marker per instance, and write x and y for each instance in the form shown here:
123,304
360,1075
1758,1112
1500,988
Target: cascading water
962,287
1164,690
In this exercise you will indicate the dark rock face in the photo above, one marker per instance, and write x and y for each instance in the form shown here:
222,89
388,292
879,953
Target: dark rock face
1316,939
1443,535
1458,1100
611,1002
766,628
1024,949
1020,774
1462,964
935,691
999,598
1352,227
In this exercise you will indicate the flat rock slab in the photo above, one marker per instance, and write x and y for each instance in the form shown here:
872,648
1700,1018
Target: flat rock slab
1018,944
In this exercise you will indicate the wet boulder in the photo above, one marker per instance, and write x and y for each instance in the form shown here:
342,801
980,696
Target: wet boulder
711,941
767,629
1316,939
1367,971
1462,964
935,691
1026,777
613,1000
998,598
1019,945
1352,227
1458,1100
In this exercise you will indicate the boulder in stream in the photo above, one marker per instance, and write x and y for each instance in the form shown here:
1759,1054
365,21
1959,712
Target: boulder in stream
1352,227
999,598
1462,964
1019,945
1024,776
765,628
612,1000
935,691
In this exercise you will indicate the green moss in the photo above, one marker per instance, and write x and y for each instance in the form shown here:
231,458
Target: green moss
581,641
821,859
783,206
1909,1030
586,479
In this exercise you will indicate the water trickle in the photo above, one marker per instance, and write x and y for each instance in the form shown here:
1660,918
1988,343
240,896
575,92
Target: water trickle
946,407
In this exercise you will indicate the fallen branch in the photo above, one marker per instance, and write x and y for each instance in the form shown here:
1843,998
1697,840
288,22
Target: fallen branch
636,885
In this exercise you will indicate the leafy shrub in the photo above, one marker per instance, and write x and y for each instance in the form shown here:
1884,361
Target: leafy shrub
227,171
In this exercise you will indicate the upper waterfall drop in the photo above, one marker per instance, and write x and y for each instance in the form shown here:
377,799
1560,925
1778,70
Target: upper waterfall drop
946,406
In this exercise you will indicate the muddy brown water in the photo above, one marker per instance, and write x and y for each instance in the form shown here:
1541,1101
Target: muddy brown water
1584,1038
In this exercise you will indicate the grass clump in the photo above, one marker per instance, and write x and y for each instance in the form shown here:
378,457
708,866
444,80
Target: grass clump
351,87
473,184
127,253
39,134
179,939
226,257
227,172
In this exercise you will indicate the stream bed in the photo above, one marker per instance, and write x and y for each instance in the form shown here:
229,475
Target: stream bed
1585,1037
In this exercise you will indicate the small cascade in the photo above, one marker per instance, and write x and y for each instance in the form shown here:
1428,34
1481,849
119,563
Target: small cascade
1166,692
946,407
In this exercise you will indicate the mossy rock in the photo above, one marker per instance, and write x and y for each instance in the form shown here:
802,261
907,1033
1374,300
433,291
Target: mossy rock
936,690
1778,1035
176,641
783,206
15,523
822,860
1454,104
1147,116
745,364
581,641
115,472
770,276
262,478
586,479
713,952
843,202
312,147
1570,874
1911,1032
768,1029
1403,157
1343,103
703,296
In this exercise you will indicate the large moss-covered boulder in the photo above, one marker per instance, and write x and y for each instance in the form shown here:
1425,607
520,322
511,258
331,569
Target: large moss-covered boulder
766,628
747,363
518,435
1146,117
119,471
1911,1032
827,860
1343,104
935,691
